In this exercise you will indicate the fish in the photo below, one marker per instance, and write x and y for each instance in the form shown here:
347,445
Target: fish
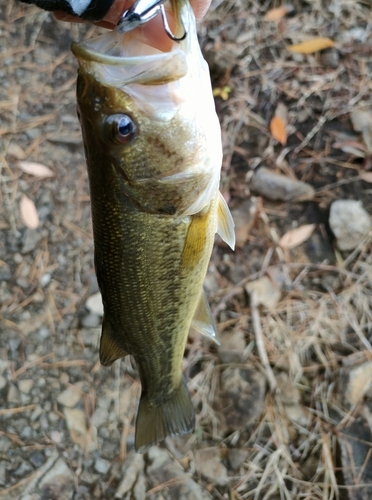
153,149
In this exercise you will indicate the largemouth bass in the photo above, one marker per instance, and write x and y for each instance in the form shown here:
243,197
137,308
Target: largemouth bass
153,149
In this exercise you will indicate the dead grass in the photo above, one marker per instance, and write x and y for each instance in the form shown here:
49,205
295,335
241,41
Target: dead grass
320,329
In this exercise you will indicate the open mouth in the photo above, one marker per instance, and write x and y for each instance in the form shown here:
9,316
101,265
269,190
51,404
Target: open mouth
149,40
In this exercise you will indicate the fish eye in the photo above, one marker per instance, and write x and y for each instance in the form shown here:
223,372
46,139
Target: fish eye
123,128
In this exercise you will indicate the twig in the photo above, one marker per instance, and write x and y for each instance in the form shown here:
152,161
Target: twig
256,323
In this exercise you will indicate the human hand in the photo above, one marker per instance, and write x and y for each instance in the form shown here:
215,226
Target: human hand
112,17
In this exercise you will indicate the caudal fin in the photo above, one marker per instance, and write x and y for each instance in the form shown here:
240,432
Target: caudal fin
175,417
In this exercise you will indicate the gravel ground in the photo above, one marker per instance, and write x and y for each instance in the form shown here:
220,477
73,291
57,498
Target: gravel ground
284,406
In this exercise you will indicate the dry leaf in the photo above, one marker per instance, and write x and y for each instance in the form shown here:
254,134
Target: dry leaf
277,129
278,13
311,46
296,236
366,176
36,169
29,213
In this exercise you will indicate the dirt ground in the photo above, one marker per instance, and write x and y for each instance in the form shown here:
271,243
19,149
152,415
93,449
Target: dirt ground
284,406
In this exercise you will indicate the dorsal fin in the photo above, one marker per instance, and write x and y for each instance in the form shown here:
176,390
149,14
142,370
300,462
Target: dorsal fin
203,321
109,351
225,223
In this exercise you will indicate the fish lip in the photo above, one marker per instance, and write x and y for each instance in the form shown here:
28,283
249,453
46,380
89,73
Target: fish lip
83,50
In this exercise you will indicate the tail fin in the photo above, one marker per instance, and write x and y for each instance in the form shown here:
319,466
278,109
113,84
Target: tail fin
175,417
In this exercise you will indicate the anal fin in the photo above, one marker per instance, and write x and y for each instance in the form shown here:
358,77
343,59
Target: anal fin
203,320
225,223
174,417
109,351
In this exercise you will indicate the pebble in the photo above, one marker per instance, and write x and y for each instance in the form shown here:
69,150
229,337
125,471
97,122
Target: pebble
30,240
44,332
26,432
267,292
91,336
70,397
25,385
236,457
2,474
37,458
291,399
275,186
163,468
13,395
131,469
59,480
360,382
99,417
232,347
91,321
56,437
80,433
239,398
5,273
244,216
4,365
45,280
208,464
94,304
349,222
102,466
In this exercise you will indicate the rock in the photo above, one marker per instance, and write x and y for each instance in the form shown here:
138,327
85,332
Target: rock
5,273
91,336
94,304
349,222
25,385
99,417
30,240
90,321
291,399
359,383
208,464
356,458
239,398
45,280
244,216
232,347
132,470
236,457
267,292
2,473
2,382
211,283
13,394
37,459
275,186
181,486
80,433
70,397
58,482
102,466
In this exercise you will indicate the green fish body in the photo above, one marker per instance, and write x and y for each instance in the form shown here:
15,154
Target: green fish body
153,150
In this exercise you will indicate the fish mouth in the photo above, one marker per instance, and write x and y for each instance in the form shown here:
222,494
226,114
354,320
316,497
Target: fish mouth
109,54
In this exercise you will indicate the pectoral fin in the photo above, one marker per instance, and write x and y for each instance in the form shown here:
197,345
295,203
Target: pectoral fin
203,321
225,223
109,351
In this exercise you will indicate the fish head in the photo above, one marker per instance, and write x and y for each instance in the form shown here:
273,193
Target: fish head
148,119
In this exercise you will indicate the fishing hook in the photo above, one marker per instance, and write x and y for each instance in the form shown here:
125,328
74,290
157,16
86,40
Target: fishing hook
143,11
